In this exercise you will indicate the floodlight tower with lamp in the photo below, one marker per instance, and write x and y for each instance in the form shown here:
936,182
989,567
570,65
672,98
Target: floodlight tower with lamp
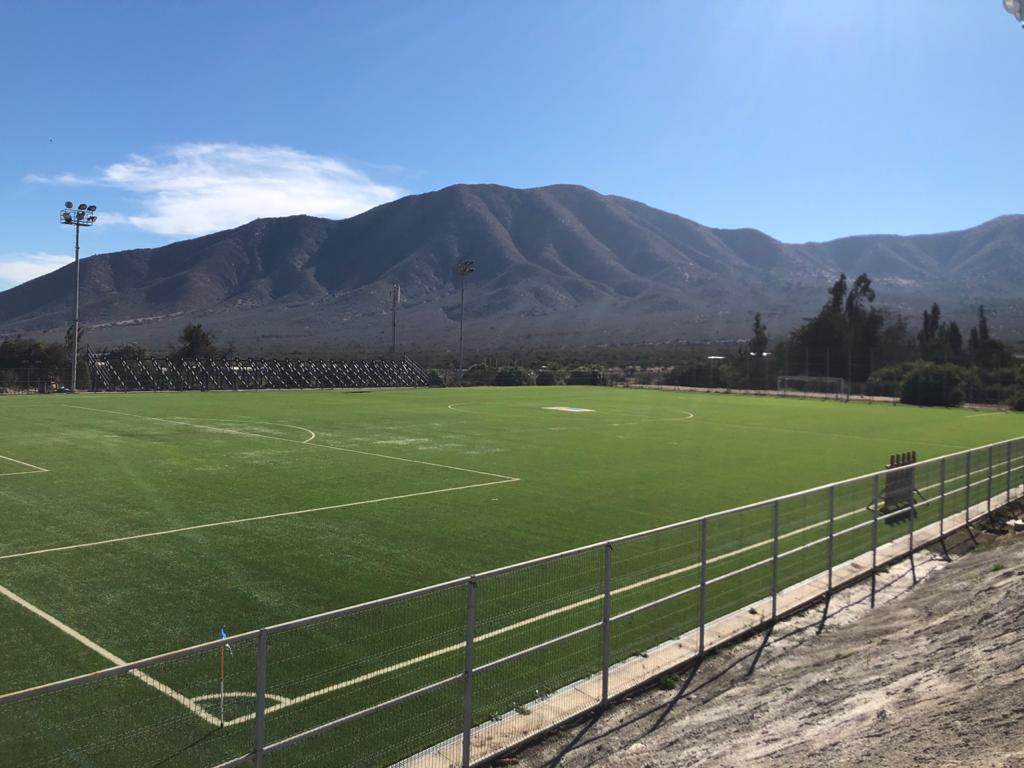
463,268
83,216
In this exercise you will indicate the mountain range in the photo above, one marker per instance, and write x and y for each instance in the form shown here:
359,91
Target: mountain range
555,266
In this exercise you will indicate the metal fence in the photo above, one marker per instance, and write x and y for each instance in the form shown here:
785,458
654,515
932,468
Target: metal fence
453,674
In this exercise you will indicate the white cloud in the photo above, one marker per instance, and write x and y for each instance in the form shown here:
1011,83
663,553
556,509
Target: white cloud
17,268
194,189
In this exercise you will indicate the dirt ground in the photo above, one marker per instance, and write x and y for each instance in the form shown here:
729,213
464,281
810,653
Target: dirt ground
933,676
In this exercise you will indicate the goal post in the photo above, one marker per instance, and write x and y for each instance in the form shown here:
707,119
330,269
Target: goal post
828,386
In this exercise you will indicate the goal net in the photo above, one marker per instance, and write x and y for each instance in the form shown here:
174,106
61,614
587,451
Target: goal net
814,385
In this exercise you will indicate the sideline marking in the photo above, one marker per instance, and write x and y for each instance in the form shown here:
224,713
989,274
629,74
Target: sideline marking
270,516
33,469
294,442
990,413
153,683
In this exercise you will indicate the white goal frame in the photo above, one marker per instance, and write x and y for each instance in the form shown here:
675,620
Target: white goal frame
814,386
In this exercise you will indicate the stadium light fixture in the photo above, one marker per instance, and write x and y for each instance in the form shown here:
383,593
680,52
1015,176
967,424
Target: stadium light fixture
463,268
79,220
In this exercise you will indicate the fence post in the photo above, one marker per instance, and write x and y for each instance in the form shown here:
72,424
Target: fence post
1009,468
967,500
874,537
775,558
910,545
831,531
942,505
988,484
702,594
467,695
259,728
606,622
831,536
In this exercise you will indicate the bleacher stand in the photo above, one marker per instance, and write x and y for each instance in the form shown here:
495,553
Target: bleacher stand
125,374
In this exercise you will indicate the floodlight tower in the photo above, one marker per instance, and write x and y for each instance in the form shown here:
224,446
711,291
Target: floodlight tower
463,268
84,216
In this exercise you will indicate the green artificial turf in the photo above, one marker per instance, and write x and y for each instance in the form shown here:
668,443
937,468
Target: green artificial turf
431,485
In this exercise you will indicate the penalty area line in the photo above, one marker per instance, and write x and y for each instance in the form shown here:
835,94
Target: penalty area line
114,659
33,467
256,518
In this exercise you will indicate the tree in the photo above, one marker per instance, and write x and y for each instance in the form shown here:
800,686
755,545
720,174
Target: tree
196,341
860,294
837,294
759,342
954,339
985,351
933,384
928,336
844,333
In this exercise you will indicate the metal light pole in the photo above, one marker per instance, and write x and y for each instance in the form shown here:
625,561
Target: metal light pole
84,216
396,297
463,268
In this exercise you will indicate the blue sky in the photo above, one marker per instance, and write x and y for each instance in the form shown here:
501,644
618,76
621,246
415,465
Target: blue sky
806,119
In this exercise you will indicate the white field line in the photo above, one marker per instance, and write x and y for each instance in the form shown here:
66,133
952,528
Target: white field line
26,472
455,647
990,413
270,516
112,658
238,695
243,433
307,430
33,467
689,415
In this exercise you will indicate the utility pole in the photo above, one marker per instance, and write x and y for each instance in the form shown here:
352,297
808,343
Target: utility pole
463,268
84,216
396,297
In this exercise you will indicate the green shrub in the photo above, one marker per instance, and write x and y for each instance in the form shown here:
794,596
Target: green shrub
585,376
933,384
546,378
888,381
511,376
478,375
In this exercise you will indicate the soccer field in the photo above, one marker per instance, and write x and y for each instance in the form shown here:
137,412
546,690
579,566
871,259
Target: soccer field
136,524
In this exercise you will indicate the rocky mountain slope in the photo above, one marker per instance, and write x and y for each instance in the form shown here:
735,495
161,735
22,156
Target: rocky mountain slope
554,266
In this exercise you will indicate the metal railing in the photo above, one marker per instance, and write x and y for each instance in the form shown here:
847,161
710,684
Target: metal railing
456,673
